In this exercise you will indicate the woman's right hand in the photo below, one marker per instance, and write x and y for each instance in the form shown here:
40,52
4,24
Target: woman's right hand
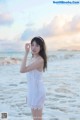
27,47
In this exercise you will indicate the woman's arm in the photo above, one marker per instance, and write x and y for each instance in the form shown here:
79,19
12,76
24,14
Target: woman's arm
23,65
35,65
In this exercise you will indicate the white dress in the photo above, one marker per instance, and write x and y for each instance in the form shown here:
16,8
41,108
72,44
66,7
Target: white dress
36,91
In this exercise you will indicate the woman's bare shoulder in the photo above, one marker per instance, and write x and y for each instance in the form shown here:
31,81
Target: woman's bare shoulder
40,59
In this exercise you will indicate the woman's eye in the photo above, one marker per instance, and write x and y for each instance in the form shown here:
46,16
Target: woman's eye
35,45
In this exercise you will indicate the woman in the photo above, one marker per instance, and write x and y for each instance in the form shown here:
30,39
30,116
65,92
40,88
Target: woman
36,91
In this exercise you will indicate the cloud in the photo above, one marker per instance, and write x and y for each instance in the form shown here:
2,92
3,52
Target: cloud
5,19
61,32
75,24
60,25
27,34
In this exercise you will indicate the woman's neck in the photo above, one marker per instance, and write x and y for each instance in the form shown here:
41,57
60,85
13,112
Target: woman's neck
35,56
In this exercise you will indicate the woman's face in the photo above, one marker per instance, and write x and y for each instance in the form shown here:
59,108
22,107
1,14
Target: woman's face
35,48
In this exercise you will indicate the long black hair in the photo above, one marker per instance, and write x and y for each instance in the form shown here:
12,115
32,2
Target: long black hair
39,40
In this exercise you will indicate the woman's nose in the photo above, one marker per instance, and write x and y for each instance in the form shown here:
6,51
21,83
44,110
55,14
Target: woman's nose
34,47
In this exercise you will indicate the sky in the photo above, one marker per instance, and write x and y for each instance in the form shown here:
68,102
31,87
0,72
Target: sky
21,20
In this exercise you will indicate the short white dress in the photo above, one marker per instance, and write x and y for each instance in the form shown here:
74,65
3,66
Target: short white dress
36,91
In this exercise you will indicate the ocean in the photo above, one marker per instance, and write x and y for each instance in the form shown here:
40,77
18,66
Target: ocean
61,80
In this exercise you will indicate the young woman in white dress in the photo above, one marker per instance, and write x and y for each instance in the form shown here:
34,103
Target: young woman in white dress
36,90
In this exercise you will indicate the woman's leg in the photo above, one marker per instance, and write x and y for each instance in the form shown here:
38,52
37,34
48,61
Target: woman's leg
37,114
34,114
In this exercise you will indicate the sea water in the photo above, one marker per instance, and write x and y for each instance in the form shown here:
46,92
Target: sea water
61,80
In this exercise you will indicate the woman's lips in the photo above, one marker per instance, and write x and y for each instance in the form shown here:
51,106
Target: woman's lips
34,51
